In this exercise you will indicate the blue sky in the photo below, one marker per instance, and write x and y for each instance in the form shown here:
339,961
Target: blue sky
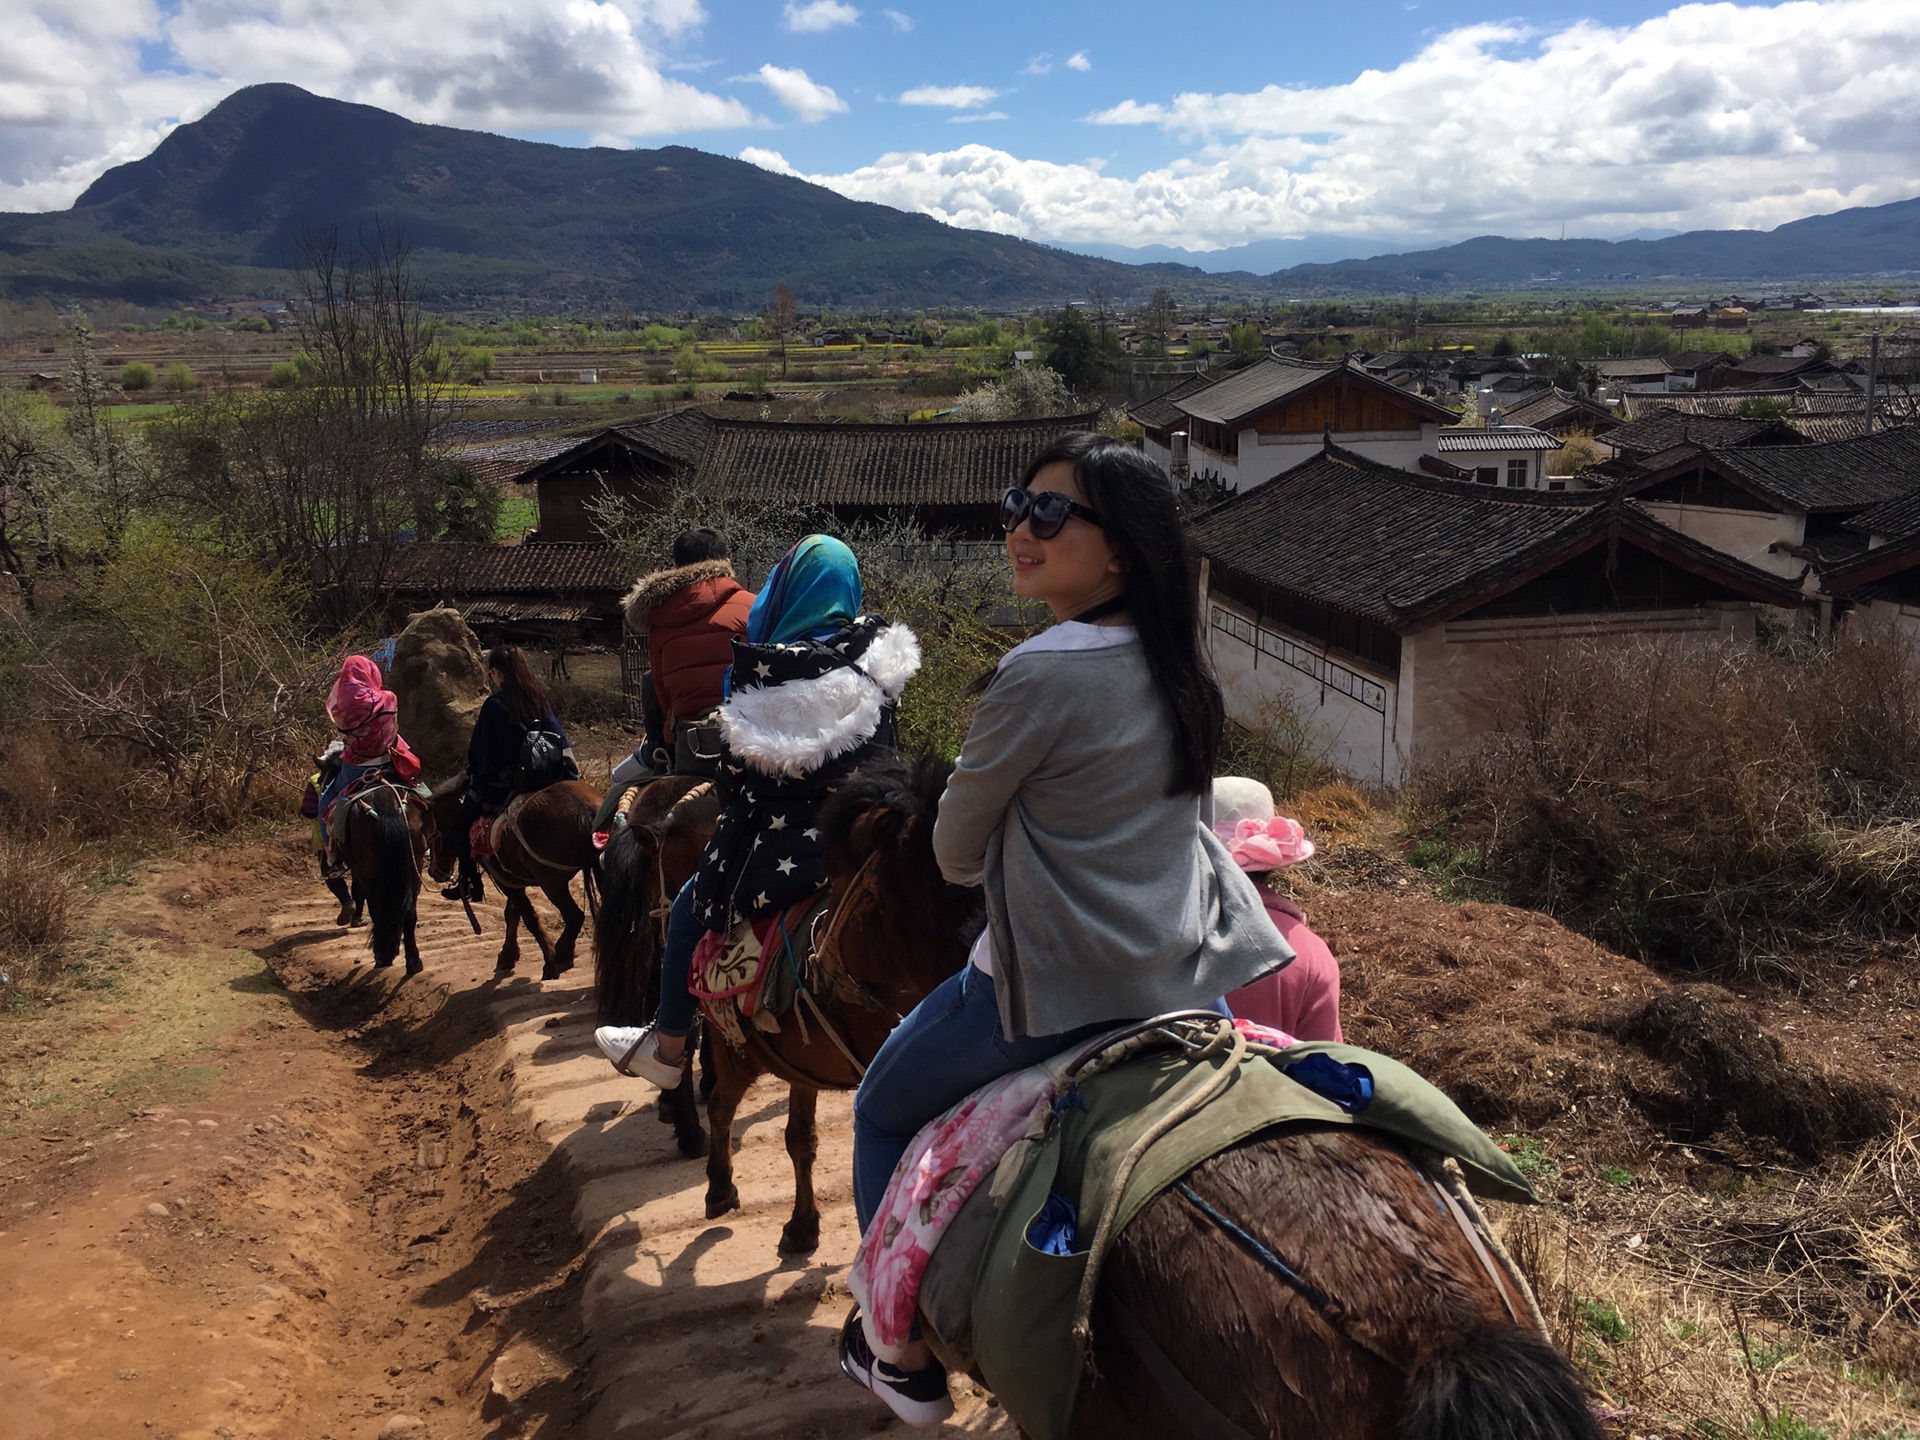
1207,124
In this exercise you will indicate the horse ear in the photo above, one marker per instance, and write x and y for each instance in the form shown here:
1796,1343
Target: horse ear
873,828
910,829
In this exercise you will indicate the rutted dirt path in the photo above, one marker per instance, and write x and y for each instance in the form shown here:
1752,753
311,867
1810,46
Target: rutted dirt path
252,1187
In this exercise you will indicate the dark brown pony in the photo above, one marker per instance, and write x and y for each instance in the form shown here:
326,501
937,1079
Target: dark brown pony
546,839
383,842
901,902
645,863
1393,1322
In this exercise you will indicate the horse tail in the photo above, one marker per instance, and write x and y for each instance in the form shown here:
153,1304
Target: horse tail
394,885
1493,1382
626,908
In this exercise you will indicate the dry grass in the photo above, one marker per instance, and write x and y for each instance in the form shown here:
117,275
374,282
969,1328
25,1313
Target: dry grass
1780,1305
37,902
1734,805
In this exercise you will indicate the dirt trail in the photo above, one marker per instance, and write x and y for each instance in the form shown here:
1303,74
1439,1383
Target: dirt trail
363,1206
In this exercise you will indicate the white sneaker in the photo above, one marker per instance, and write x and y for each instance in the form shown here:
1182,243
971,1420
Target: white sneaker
635,1050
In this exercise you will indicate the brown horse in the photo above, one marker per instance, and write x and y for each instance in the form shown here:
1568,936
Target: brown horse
1307,1282
645,863
541,842
898,904
383,842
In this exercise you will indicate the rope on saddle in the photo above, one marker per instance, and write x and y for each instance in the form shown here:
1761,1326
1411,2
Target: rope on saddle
662,901
1467,1214
1223,1036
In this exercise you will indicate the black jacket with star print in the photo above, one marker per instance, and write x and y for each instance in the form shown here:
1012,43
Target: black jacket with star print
801,717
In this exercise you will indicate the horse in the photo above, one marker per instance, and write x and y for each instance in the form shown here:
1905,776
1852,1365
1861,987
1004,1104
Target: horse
645,863
842,1027
383,842
1302,1283
542,841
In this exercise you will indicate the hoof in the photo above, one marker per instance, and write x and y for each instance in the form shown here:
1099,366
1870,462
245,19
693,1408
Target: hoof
554,972
663,1108
346,916
695,1148
799,1239
505,967
415,967
359,921
383,964
728,1201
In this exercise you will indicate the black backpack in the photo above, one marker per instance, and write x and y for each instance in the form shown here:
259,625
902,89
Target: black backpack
543,762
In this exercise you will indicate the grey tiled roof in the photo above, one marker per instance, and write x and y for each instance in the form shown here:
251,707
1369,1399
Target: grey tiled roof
1393,547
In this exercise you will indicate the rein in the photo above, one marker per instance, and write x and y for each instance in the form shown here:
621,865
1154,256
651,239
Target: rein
663,902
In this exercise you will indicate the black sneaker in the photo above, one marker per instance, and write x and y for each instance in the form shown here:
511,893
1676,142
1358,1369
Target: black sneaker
918,1397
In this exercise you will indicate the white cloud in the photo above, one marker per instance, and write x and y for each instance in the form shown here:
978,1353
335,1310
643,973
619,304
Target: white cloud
819,15
767,160
801,94
1041,64
1079,61
902,23
951,97
74,99
970,119
1710,115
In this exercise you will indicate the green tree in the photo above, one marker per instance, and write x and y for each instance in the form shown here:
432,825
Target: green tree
1247,341
179,377
136,375
1157,322
1505,346
282,374
782,315
1073,350
479,364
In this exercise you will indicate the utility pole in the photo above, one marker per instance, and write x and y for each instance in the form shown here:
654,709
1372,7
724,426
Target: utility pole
1873,377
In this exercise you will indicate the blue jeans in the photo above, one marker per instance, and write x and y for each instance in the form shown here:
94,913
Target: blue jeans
946,1048
675,1016
346,776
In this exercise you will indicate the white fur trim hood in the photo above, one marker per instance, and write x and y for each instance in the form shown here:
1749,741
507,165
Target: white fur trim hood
792,729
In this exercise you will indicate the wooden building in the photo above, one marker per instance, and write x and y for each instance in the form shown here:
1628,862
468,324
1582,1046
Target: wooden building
1396,611
1562,413
1262,421
551,596
947,477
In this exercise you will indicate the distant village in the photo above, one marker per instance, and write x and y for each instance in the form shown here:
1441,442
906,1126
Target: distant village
1383,537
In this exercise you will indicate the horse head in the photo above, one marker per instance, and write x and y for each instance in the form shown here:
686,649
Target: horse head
443,818
911,928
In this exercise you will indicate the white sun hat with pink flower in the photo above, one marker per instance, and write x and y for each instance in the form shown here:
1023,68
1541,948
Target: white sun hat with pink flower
1257,838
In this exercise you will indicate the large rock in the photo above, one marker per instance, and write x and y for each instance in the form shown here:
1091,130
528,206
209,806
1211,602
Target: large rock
439,672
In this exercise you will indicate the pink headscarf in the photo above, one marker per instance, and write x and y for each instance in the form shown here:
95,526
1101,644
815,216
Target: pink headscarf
363,710
1266,844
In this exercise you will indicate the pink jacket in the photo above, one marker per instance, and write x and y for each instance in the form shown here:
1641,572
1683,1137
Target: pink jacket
1304,998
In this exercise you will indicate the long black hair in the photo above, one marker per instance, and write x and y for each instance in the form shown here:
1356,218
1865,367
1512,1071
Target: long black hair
1136,506
526,700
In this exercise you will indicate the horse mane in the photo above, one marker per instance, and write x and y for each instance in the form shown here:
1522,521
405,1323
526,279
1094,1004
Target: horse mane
907,786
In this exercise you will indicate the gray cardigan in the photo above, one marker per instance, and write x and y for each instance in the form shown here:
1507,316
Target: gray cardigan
1108,898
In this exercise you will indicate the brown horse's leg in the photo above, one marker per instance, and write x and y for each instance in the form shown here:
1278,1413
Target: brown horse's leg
681,1110
736,1073
572,918
802,1233
539,933
510,946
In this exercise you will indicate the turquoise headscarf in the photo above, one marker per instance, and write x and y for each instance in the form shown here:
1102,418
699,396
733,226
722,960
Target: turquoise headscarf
812,592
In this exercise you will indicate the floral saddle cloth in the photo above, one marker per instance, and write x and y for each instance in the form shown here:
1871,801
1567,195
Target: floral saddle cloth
759,965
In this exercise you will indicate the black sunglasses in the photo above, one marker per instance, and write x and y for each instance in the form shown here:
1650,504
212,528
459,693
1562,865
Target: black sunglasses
1046,511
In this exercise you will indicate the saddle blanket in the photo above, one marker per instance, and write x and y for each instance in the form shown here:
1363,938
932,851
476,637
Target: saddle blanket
733,966
939,1173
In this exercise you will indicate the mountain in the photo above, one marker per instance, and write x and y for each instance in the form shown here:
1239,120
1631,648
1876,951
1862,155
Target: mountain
495,220
220,207
1257,257
1869,240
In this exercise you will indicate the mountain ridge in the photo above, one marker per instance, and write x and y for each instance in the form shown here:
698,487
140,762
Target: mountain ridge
220,206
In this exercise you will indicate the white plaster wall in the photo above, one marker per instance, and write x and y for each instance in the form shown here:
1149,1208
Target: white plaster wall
1262,457
1356,736
1744,534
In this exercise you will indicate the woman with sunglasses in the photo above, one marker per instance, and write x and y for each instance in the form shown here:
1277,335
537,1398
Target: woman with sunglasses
1079,803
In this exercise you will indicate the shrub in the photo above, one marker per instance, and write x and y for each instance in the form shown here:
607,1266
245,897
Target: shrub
283,374
136,375
1725,805
37,896
1284,750
179,377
